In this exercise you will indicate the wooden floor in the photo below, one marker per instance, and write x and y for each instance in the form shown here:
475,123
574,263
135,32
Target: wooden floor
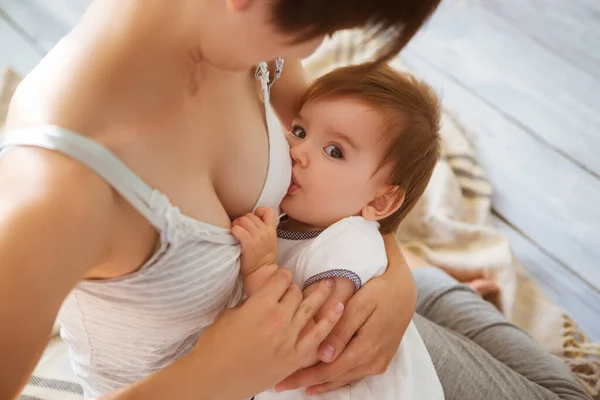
524,76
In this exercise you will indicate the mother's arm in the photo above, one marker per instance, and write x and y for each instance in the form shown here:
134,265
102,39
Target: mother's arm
55,217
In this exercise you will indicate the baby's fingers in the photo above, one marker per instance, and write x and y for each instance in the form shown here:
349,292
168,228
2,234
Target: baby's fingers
242,235
255,220
267,215
250,223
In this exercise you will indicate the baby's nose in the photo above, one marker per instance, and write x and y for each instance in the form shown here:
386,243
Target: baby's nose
298,155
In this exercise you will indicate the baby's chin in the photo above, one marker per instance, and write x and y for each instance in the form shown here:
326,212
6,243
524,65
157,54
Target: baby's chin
292,209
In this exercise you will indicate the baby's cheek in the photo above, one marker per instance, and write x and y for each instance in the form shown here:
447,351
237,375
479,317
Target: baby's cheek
336,203
329,194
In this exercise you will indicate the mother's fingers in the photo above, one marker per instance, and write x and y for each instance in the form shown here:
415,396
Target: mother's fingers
358,311
311,304
313,338
275,287
350,366
312,376
291,300
376,367
327,387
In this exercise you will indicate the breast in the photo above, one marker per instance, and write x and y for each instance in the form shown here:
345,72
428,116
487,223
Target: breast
279,173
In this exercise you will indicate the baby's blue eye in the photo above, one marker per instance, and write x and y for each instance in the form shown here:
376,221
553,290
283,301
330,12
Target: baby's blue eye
334,151
298,131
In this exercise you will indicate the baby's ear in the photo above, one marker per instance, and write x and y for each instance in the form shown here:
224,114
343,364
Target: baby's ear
388,200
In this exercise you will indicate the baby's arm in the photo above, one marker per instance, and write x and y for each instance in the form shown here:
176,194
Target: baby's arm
257,234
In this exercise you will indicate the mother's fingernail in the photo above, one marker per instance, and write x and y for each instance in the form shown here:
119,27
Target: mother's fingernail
339,308
328,352
329,283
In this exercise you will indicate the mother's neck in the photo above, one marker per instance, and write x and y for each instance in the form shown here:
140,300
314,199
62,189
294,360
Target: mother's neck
147,50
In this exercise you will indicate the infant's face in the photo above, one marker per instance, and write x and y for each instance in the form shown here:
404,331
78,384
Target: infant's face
337,147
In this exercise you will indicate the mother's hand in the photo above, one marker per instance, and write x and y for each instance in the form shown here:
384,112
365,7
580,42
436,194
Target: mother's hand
263,337
247,349
367,337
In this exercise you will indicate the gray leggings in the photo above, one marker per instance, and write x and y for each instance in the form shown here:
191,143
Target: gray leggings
477,353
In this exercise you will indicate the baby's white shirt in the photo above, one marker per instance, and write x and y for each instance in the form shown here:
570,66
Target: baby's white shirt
353,248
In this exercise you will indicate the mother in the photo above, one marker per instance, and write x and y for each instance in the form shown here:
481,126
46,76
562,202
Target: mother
129,149
133,144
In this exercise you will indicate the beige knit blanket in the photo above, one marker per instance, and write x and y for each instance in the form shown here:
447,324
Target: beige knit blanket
450,226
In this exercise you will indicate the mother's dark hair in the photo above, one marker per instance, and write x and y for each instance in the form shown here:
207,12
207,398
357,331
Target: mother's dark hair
396,20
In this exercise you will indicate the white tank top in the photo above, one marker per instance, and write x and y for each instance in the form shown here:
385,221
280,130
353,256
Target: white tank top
121,330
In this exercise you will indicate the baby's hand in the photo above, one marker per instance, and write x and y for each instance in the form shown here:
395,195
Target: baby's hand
257,234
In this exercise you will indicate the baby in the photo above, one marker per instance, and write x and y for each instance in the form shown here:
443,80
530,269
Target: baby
363,148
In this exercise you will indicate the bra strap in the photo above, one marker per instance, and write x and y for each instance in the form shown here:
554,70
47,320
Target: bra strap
94,156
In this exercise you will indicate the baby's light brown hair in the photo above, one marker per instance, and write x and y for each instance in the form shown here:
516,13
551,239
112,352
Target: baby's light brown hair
412,133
